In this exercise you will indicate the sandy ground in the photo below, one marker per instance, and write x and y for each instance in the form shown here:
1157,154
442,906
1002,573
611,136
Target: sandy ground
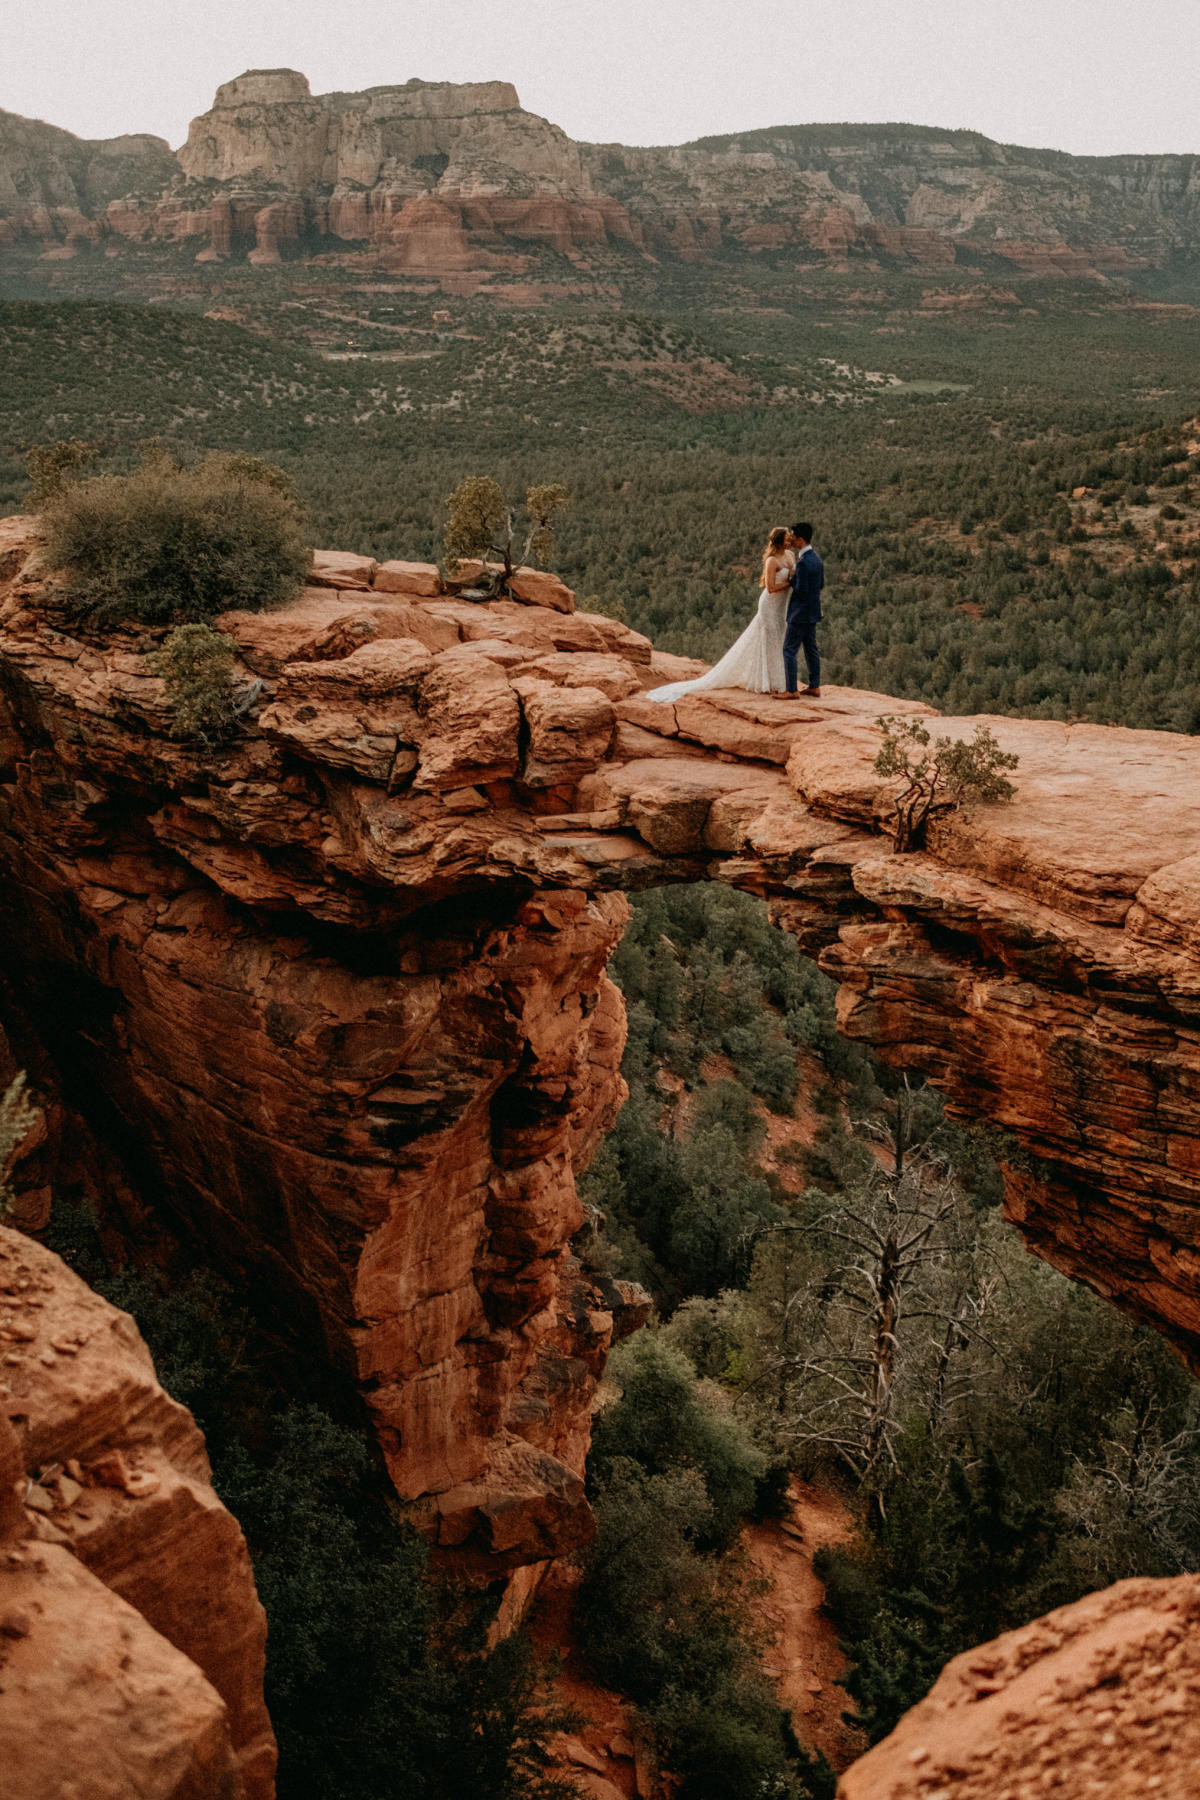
803,1660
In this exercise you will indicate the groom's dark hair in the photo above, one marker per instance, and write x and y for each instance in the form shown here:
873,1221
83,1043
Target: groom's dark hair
803,531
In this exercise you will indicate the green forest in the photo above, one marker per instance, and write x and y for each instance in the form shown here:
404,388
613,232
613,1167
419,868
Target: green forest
1023,1445
936,453
1007,499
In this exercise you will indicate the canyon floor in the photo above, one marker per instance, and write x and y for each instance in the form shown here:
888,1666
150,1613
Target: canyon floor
607,1753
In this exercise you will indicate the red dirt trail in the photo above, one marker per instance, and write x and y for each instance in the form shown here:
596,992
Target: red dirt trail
605,1755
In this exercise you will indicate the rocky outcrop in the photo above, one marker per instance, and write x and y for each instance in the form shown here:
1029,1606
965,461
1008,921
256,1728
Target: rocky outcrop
340,987
445,179
57,188
1098,1698
131,1638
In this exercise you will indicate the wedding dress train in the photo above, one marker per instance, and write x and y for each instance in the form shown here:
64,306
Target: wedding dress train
754,662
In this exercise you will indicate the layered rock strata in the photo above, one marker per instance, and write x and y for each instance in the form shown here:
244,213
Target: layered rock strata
131,1638
341,984
439,179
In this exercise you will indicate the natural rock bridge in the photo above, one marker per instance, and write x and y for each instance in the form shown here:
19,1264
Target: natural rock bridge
336,995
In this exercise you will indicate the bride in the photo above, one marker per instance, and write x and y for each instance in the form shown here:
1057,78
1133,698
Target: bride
755,662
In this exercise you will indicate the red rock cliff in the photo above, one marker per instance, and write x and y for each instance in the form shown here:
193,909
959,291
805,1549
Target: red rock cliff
130,1631
342,985
436,176
1098,1698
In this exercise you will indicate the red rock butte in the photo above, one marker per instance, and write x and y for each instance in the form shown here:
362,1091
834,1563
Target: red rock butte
331,1002
456,182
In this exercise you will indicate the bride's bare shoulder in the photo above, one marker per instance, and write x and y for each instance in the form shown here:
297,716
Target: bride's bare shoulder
776,569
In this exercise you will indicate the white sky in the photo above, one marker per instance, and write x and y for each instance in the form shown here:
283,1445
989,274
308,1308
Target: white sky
1091,76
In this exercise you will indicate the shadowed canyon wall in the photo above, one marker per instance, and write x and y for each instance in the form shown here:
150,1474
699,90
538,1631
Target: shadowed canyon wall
442,179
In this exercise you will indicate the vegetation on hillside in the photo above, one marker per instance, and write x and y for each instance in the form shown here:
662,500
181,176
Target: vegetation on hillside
939,453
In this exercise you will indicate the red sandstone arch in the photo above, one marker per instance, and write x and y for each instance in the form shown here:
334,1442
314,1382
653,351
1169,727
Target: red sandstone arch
339,990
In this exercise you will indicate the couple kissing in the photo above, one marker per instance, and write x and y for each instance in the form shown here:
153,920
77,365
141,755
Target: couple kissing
764,658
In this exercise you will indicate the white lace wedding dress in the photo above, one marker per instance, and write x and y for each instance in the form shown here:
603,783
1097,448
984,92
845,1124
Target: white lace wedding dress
754,662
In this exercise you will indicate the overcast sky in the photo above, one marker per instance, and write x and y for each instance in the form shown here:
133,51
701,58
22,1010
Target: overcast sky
1091,76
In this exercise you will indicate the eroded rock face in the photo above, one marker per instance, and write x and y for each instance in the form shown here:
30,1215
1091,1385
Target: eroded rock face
1098,1698
131,1638
445,179
342,984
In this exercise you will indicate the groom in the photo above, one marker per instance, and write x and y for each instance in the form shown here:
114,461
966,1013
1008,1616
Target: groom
804,612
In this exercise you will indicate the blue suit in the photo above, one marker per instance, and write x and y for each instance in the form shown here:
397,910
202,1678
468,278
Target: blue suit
803,615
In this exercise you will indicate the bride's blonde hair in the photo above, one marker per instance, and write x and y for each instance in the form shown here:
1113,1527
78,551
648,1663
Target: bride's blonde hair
775,543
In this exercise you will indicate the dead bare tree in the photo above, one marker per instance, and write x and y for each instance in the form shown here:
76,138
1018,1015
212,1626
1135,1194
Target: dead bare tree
867,1307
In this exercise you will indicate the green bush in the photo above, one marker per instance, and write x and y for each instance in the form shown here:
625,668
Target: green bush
196,666
366,1676
666,1421
667,1625
661,1609
168,545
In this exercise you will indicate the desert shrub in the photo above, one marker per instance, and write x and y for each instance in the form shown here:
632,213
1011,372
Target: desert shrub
167,545
666,1421
53,467
196,666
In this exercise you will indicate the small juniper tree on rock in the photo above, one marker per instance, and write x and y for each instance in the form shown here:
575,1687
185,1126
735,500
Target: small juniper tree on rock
196,666
953,773
481,524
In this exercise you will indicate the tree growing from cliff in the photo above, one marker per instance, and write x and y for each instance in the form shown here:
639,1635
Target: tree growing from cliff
482,524
167,544
952,774
196,666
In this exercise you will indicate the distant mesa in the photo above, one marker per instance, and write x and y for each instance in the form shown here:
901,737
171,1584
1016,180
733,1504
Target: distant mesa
456,180
264,87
